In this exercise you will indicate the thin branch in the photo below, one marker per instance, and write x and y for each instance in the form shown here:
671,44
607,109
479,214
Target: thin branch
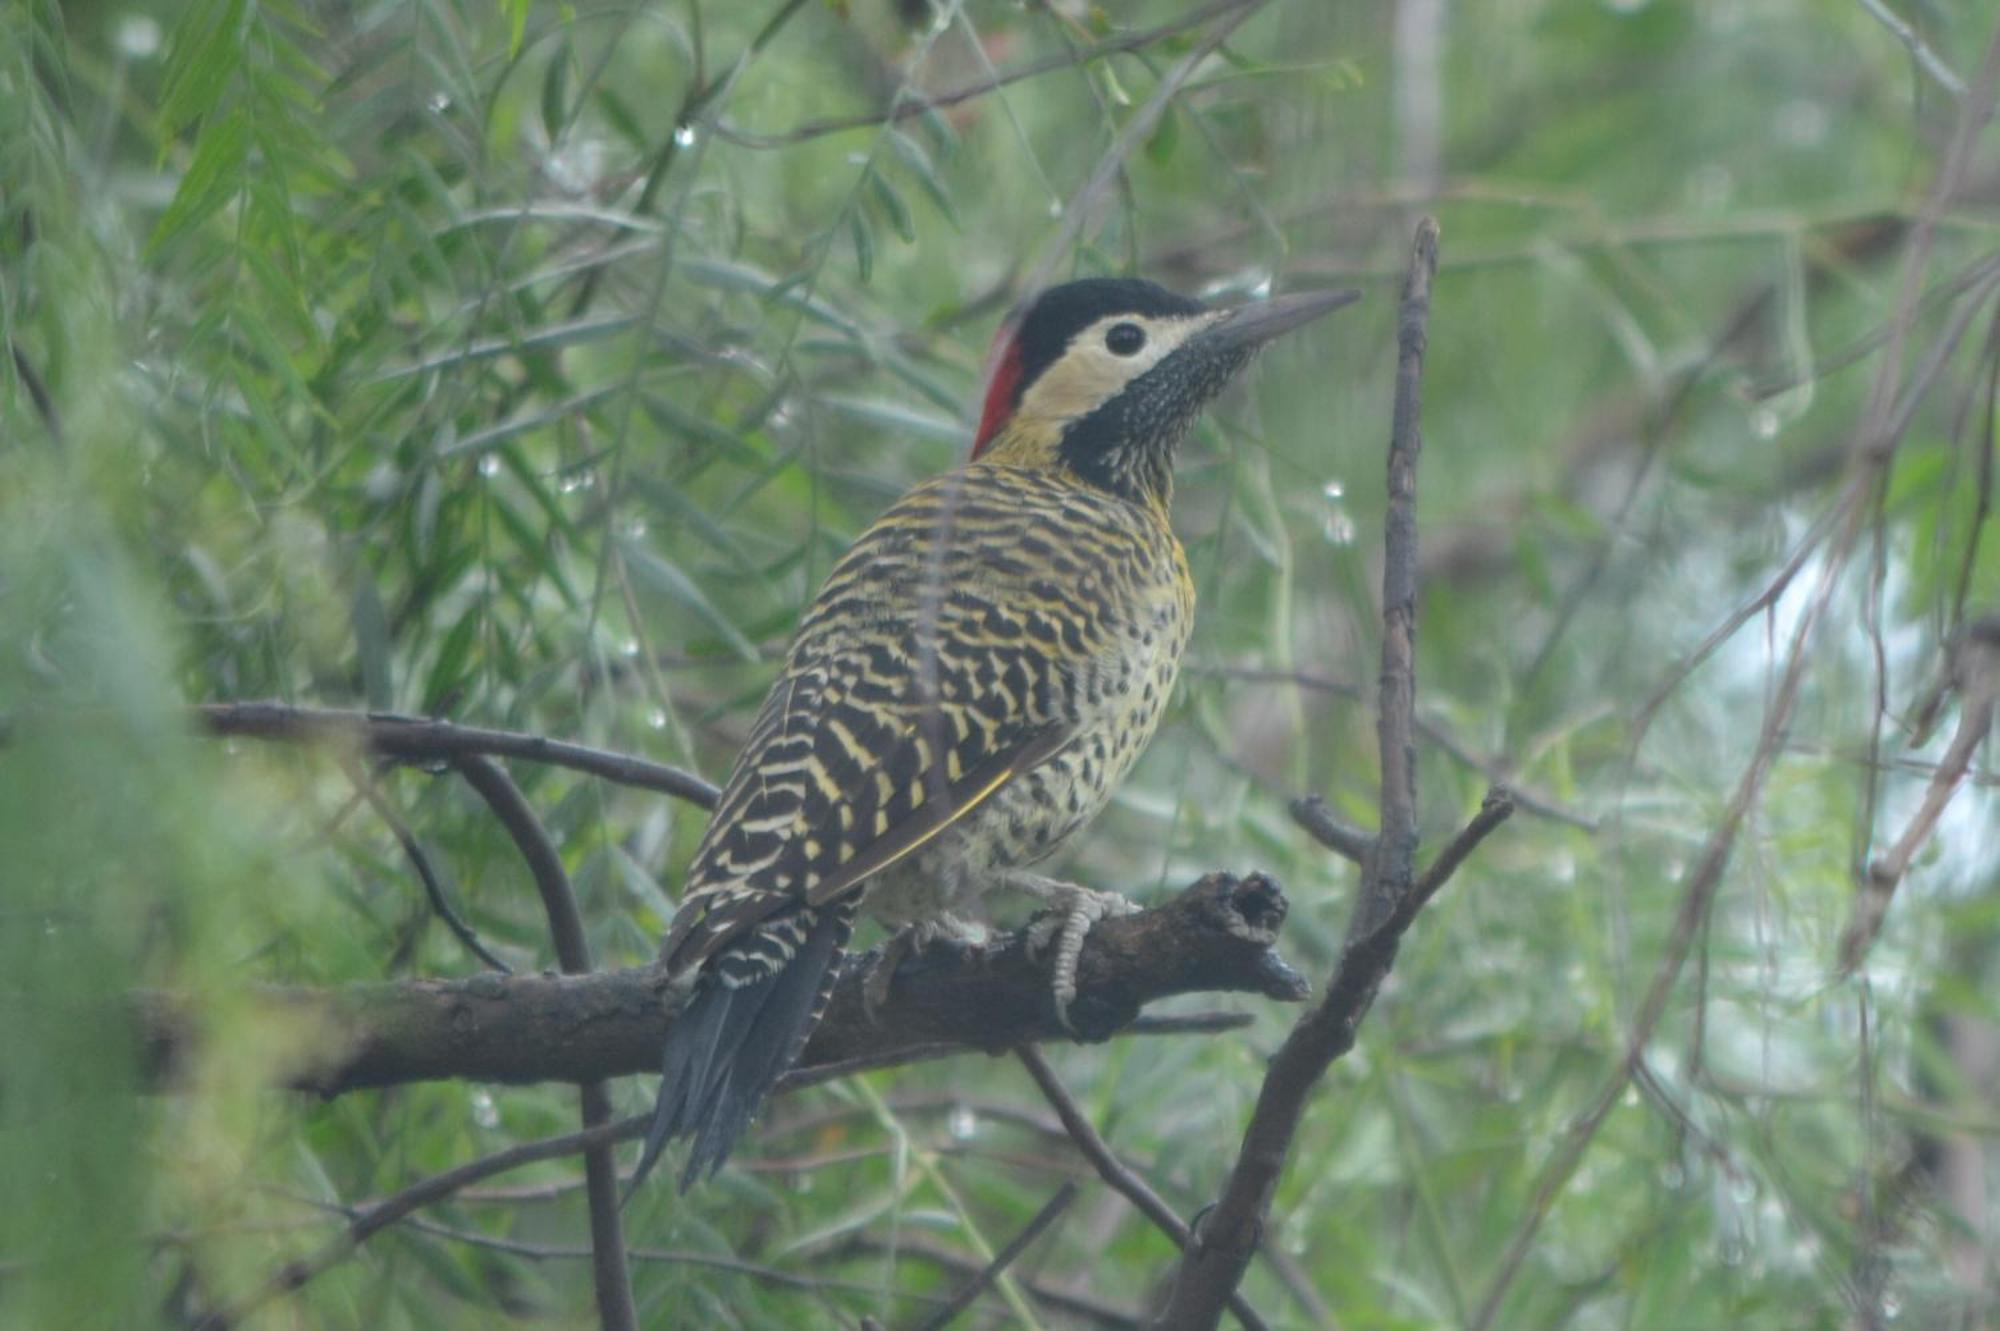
613,1280
366,789
1232,1230
372,1220
1343,839
1190,1023
1976,678
963,1297
769,1275
545,866
1495,809
418,739
1920,51
1121,1177
1137,128
906,108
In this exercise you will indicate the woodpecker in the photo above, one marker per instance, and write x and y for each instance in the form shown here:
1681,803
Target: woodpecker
977,675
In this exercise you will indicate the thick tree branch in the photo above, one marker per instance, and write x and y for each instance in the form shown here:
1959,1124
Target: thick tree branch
1215,936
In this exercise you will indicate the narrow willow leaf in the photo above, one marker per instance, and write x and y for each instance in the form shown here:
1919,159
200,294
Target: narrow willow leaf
672,417
202,58
918,162
555,94
495,435
517,25
743,277
892,206
864,246
450,667
663,575
535,546
621,119
896,416
1165,138
540,339
372,647
213,178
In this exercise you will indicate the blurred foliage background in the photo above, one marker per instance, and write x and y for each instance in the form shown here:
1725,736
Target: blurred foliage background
529,363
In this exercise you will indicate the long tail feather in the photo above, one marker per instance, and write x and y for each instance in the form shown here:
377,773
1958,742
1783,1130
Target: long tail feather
746,1022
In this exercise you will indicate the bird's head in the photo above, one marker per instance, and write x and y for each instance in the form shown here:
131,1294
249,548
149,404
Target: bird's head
1105,377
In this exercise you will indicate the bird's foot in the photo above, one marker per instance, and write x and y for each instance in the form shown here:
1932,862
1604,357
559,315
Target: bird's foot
901,950
1060,930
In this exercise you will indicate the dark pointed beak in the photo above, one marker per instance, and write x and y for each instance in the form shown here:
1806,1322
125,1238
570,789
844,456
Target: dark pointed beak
1251,326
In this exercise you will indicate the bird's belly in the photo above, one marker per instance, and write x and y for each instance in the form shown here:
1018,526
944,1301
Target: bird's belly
1118,701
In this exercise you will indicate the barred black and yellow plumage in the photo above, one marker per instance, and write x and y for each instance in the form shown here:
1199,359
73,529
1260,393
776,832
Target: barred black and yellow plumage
979,672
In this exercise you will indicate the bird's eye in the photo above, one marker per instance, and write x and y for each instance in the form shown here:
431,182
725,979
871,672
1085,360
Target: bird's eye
1124,339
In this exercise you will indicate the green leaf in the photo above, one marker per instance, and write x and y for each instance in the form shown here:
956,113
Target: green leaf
1166,136
555,94
665,576
517,24
892,206
864,246
371,643
450,668
918,163
213,178
202,57
897,416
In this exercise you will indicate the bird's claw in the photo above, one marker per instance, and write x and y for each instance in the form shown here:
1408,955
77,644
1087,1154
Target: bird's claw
882,976
1064,926
901,949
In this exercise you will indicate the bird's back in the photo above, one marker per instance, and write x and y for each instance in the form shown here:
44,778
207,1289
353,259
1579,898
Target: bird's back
993,614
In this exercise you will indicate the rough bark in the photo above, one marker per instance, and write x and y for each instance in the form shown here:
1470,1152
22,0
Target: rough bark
1214,936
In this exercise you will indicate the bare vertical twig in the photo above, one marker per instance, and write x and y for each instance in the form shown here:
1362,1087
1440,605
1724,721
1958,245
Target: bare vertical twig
1974,675
1230,1233
615,1309
1982,505
1394,858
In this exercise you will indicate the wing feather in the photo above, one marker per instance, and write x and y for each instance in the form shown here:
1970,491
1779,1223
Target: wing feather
924,679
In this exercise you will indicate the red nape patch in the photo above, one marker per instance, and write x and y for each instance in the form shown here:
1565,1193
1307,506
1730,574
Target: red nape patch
1001,388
